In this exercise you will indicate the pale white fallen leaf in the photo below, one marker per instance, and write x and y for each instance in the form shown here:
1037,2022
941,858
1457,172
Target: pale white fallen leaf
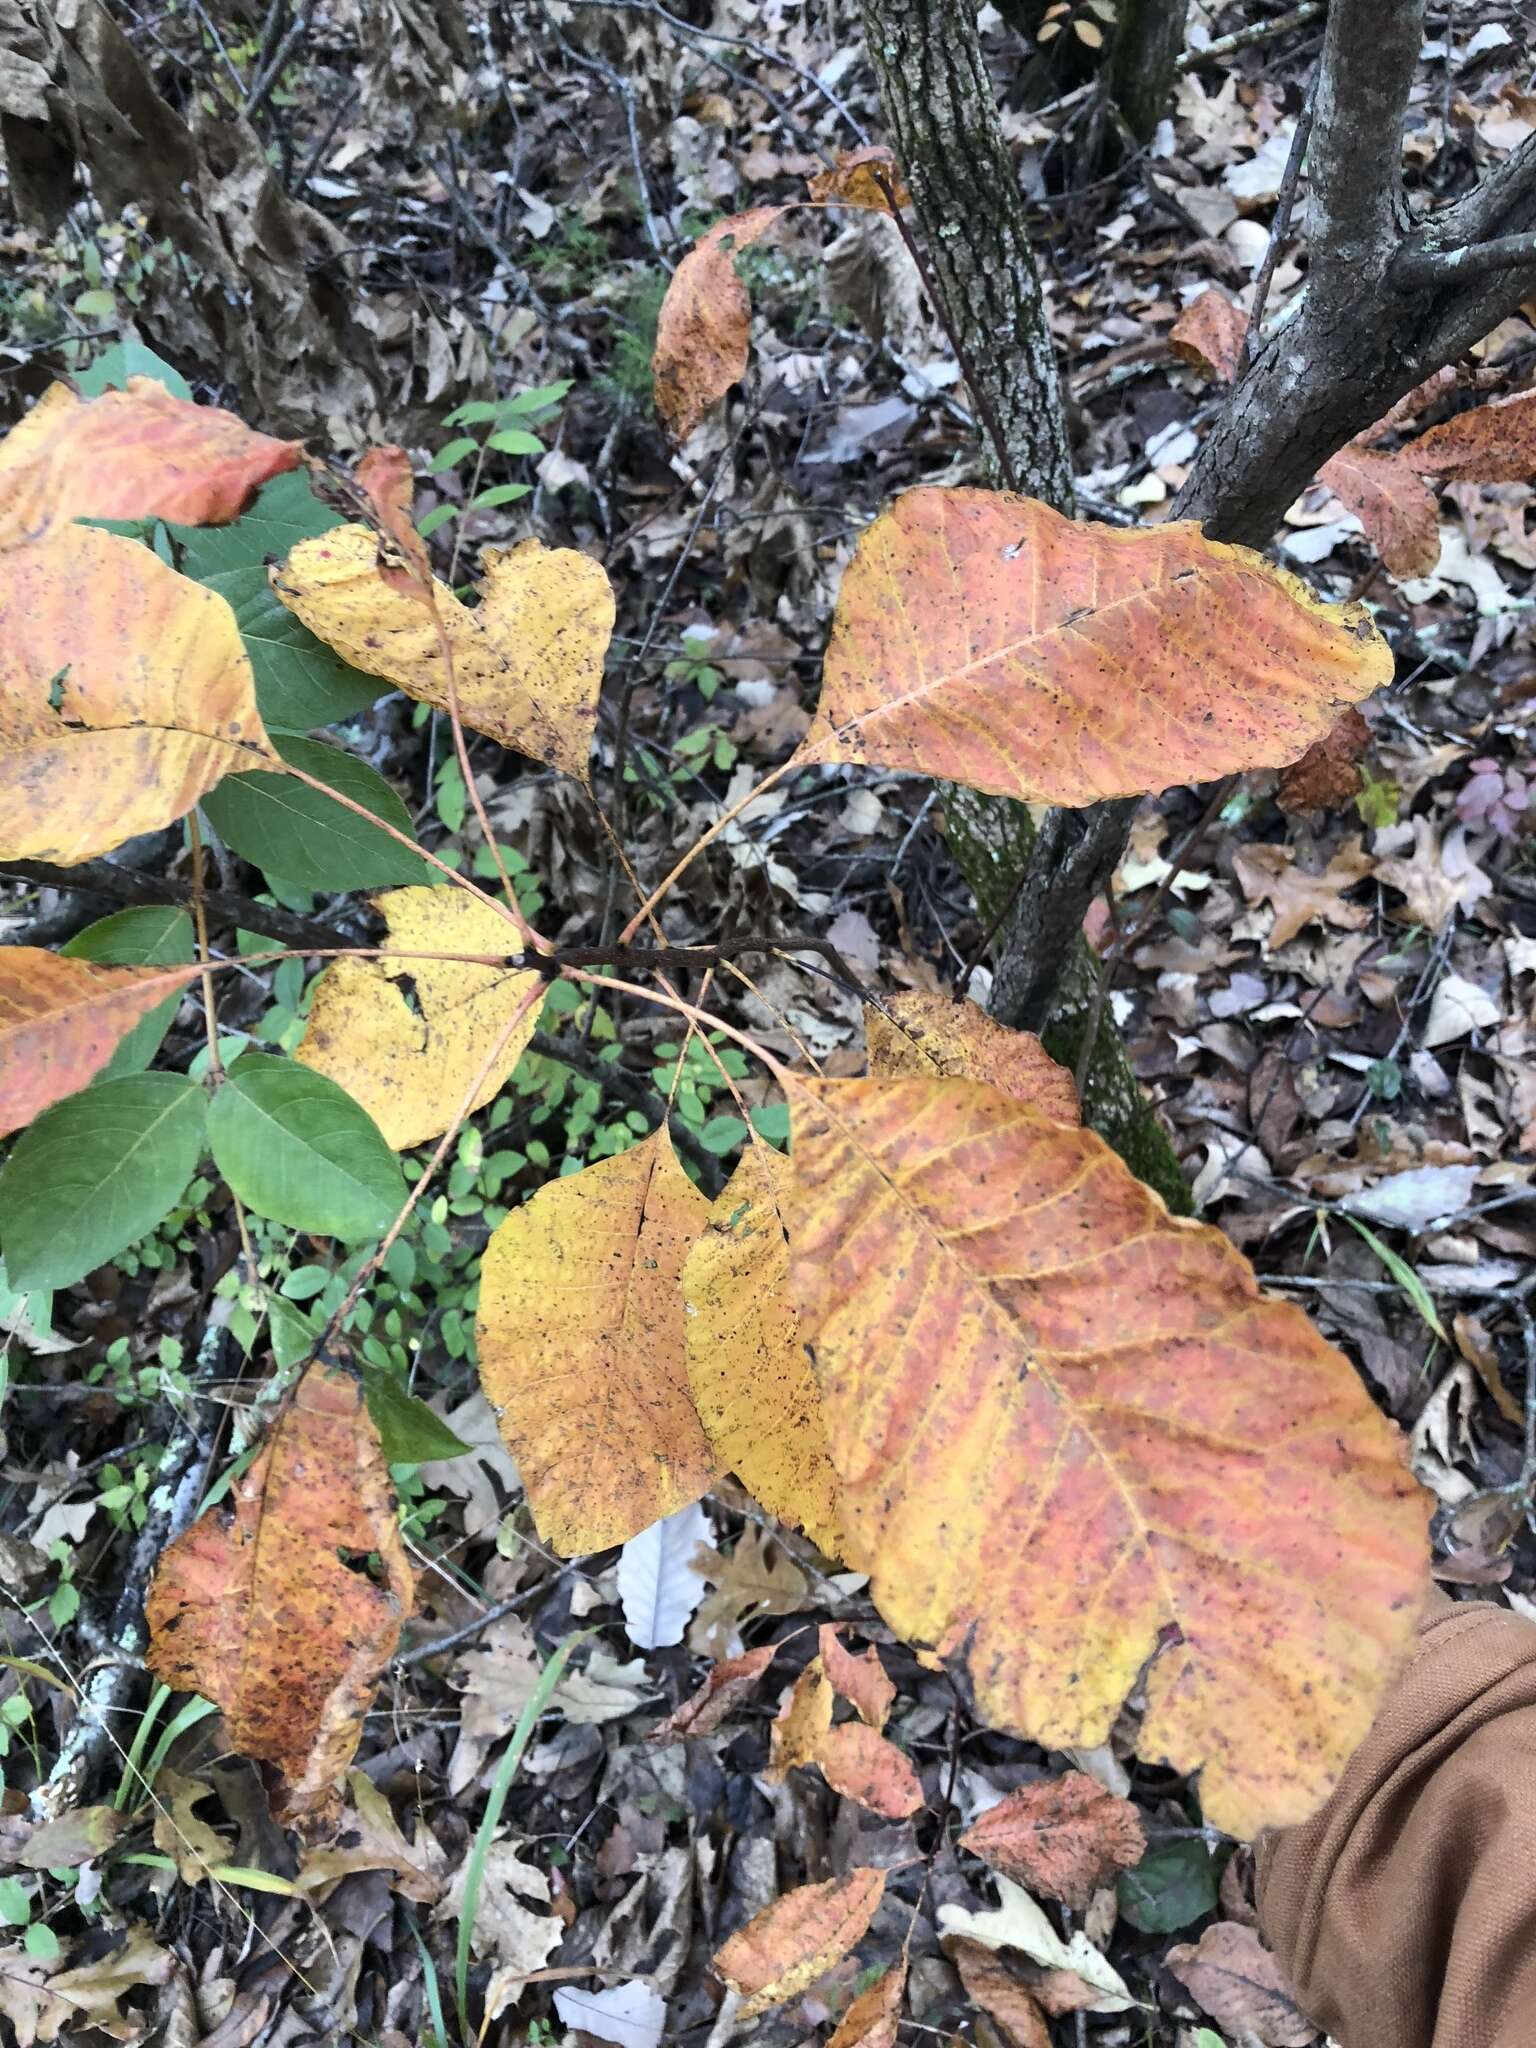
1416,1199
658,1587
1020,1923
1459,1008
630,2015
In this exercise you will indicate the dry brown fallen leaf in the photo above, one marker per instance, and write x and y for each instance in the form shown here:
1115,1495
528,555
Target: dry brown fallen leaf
727,1686
269,1608
798,1939
1234,1978
702,334
872,2019
1061,1836
1270,874
1396,509
992,1986
861,1681
864,1766
1209,334
1328,773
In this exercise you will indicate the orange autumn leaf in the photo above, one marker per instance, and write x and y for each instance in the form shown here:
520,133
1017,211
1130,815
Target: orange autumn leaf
872,2019
266,1608
1131,1452
860,177
1397,512
134,454
918,1033
747,1369
727,1686
1061,1836
581,1347
125,695
1494,443
62,1019
527,659
982,637
801,1722
863,1765
702,334
798,1938
862,1681
1209,334
384,476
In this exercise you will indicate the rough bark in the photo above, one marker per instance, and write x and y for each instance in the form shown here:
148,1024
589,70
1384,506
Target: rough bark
1148,42
944,126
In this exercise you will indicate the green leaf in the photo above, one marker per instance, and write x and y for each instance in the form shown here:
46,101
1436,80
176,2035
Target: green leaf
478,413
1404,1275
456,451
95,1173
438,516
285,511
300,683
153,935
294,1334
536,399
298,1150
114,366
408,1430
499,494
516,441
1169,1888
300,837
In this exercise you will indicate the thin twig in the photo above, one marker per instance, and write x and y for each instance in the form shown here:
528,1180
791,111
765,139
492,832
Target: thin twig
1279,227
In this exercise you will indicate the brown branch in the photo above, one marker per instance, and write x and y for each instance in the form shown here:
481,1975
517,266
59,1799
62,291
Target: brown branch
128,885
1439,269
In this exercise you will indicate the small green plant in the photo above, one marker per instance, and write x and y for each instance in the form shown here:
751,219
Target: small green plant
693,667
504,428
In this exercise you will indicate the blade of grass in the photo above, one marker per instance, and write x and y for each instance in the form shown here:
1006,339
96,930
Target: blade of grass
490,1820
1403,1274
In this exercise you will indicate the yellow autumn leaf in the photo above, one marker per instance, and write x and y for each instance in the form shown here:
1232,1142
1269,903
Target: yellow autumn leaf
527,659
410,1062
125,695
747,1364
580,1340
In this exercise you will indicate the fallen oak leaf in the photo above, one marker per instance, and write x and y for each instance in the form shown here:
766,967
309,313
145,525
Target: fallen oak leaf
138,453
1063,1836
125,695
1271,874
786,1947
257,1608
62,1019
727,1686
984,638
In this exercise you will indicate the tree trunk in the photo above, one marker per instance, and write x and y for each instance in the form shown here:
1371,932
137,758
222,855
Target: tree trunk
1149,39
943,121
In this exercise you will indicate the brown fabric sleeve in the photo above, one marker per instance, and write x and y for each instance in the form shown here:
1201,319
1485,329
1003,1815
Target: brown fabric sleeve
1404,1911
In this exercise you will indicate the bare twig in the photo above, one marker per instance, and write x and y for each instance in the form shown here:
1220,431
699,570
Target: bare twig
128,885
1279,228
1438,268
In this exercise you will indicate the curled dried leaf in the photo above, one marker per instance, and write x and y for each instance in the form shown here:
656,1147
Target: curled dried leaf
1209,334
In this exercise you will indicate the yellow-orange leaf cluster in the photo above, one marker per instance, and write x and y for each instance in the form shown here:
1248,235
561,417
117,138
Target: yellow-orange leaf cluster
527,659
133,454
982,637
267,1609
1131,1453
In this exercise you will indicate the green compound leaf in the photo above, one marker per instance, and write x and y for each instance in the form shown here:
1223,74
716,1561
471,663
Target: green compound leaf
96,1173
298,1150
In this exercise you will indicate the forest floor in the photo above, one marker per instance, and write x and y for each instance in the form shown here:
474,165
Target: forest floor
1329,991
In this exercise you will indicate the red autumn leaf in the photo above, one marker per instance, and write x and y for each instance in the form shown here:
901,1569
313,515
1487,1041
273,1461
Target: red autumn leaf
61,1020
860,177
860,1680
798,1939
134,454
727,1685
1396,510
1494,443
864,1766
1209,334
701,336
1061,1836
267,1608
982,637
